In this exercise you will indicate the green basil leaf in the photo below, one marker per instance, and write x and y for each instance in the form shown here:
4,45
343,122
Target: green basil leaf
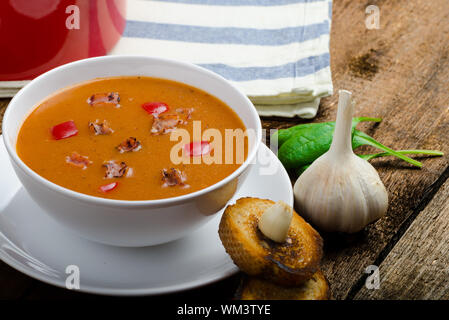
283,135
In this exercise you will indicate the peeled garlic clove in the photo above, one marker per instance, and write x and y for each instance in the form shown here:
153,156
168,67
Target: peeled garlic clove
275,221
340,191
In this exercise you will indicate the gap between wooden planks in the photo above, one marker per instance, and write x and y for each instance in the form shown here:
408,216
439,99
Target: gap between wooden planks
418,266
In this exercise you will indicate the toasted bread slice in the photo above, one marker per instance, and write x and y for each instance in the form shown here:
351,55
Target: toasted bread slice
289,264
316,288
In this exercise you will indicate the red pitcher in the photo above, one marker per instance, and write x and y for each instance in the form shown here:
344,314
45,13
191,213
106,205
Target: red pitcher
39,35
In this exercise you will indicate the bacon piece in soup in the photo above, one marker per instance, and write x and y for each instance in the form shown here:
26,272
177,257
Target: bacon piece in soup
187,112
130,144
165,124
102,98
100,128
173,177
77,160
116,169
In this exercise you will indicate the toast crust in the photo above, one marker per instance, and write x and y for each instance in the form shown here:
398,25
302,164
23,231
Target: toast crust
288,264
316,288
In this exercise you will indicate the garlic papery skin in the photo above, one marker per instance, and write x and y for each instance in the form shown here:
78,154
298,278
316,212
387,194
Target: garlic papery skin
340,191
275,221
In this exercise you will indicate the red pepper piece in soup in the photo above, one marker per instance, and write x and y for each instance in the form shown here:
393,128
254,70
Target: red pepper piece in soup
64,130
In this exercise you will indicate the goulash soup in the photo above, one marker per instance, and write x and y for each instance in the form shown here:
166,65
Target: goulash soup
110,138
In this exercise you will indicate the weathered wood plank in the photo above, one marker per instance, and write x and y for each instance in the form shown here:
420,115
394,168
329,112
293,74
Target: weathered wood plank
410,92
418,266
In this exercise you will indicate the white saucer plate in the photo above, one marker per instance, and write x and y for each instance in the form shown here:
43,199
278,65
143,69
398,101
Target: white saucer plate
31,242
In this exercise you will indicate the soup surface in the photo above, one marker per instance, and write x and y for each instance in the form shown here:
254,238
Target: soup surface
110,138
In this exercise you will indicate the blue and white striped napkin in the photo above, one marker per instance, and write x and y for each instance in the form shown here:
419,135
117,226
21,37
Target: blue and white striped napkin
276,51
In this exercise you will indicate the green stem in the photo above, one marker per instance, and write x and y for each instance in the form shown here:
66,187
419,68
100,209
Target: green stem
385,154
367,157
366,139
362,119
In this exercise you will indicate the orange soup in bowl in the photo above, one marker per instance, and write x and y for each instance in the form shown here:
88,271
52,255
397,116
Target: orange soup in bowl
132,138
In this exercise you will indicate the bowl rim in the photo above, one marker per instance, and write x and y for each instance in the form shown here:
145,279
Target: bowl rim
12,152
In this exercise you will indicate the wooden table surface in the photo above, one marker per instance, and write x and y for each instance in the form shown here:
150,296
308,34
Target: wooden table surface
400,73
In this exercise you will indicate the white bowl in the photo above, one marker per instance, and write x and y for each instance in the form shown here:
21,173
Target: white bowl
120,222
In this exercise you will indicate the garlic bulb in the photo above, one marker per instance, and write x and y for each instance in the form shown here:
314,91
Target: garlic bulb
275,221
340,191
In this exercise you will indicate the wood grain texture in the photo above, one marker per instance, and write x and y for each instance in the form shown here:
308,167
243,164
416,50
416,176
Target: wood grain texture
418,266
410,92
